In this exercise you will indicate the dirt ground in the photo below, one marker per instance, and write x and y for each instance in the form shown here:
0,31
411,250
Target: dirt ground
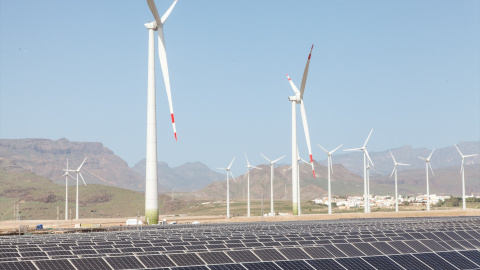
9,225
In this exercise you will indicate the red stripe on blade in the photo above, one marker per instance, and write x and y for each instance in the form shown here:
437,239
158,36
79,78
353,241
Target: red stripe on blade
311,158
175,136
173,119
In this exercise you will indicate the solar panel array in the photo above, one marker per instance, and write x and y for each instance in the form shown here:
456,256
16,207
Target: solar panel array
405,243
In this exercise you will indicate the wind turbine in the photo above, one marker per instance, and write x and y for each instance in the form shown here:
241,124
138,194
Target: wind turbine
329,171
228,185
298,182
151,173
366,195
272,213
77,171
298,98
395,171
66,174
249,167
462,171
427,163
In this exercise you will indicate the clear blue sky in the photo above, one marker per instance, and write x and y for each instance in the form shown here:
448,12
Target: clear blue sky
78,69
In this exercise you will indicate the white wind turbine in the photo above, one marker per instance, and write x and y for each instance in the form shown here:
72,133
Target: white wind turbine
66,174
151,178
298,98
228,185
272,213
427,163
462,171
366,196
247,174
329,172
77,171
396,185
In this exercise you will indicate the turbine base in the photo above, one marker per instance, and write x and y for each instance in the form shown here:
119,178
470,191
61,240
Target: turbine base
151,216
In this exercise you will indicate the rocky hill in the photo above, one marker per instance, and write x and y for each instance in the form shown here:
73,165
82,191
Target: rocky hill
48,158
187,177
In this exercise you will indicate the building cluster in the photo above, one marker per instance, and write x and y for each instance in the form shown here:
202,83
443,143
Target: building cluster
382,201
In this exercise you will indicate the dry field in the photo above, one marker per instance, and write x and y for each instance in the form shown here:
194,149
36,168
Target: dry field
9,226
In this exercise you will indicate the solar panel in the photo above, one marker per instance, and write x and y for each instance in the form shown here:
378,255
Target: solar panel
90,263
215,258
384,247
408,261
401,247
227,267
152,261
382,262
318,252
434,261
350,250
261,266
186,259
124,262
455,245
17,266
294,253
354,264
54,265
458,260
294,265
334,251
200,267
325,264
243,256
417,246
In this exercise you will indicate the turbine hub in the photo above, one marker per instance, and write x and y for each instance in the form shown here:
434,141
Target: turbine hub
151,25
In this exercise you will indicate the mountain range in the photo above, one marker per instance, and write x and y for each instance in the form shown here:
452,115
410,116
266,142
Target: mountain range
48,158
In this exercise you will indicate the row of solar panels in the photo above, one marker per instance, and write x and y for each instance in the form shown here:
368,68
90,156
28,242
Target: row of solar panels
441,260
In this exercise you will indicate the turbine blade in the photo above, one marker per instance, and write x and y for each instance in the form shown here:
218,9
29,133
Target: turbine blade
256,167
233,177
248,164
295,89
470,155
331,164
290,168
81,164
322,148
403,164
165,16
153,8
81,176
431,154
228,168
305,74
307,134
368,156
265,158
394,161
462,168
353,149
336,149
429,164
245,175
368,138
394,168
278,159
422,158
162,54
458,150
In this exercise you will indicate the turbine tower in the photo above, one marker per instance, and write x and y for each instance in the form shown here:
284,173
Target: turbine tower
151,173
427,163
272,213
77,171
396,164
66,174
247,174
462,171
228,185
366,194
329,172
298,98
